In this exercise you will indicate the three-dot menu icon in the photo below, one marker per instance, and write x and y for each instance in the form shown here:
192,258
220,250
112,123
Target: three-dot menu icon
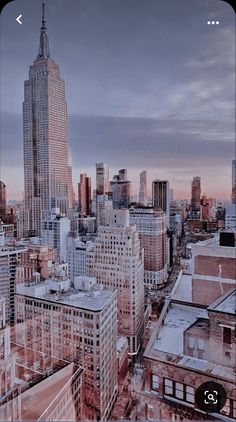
213,22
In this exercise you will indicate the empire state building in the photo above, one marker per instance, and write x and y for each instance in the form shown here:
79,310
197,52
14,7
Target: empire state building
46,170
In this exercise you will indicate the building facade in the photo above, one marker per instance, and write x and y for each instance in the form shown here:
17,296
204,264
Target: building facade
3,201
152,230
45,137
104,205
79,326
121,190
55,229
102,179
118,264
143,188
9,258
161,197
77,256
84,194
189,346
196,195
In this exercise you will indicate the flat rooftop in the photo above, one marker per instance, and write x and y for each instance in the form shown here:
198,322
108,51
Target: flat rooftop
227,304
170,337
94,300
183,288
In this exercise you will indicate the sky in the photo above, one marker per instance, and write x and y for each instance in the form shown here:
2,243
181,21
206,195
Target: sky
149,86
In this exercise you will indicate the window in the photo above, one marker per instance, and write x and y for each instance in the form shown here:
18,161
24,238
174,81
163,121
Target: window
168,387
227,335
189,394
155,382
179,390
234,409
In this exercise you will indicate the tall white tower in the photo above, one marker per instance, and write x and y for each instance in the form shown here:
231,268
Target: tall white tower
45,137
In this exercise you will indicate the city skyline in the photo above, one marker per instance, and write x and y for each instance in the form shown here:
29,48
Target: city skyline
135,109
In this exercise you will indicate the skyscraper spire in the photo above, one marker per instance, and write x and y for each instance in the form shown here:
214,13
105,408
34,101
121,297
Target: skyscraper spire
43,44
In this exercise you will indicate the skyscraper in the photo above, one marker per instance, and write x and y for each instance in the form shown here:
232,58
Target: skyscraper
143,188
45,137
84,194
3,202
161,197
121,190
196,195
102,179
234,181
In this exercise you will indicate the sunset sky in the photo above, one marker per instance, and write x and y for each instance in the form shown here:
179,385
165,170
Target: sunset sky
149,86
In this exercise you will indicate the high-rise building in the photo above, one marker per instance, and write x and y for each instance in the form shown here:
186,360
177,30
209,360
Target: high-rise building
55,229
161,197
45,137
9,257
77,256
196,195
3,201
102,179
121,190
143,188
78,326
118,265
234,181
104,204
151,226
84,194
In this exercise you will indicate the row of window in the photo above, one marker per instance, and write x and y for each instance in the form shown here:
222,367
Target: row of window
174,389
185,393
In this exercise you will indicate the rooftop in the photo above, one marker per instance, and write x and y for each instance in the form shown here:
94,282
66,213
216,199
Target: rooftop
225,304
94,300
183,288
170,336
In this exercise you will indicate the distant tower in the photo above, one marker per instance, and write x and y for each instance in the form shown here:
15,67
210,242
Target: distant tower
234,181
84,194
143,188
46,167
102,178
121,190
161,197
196,195
3,201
